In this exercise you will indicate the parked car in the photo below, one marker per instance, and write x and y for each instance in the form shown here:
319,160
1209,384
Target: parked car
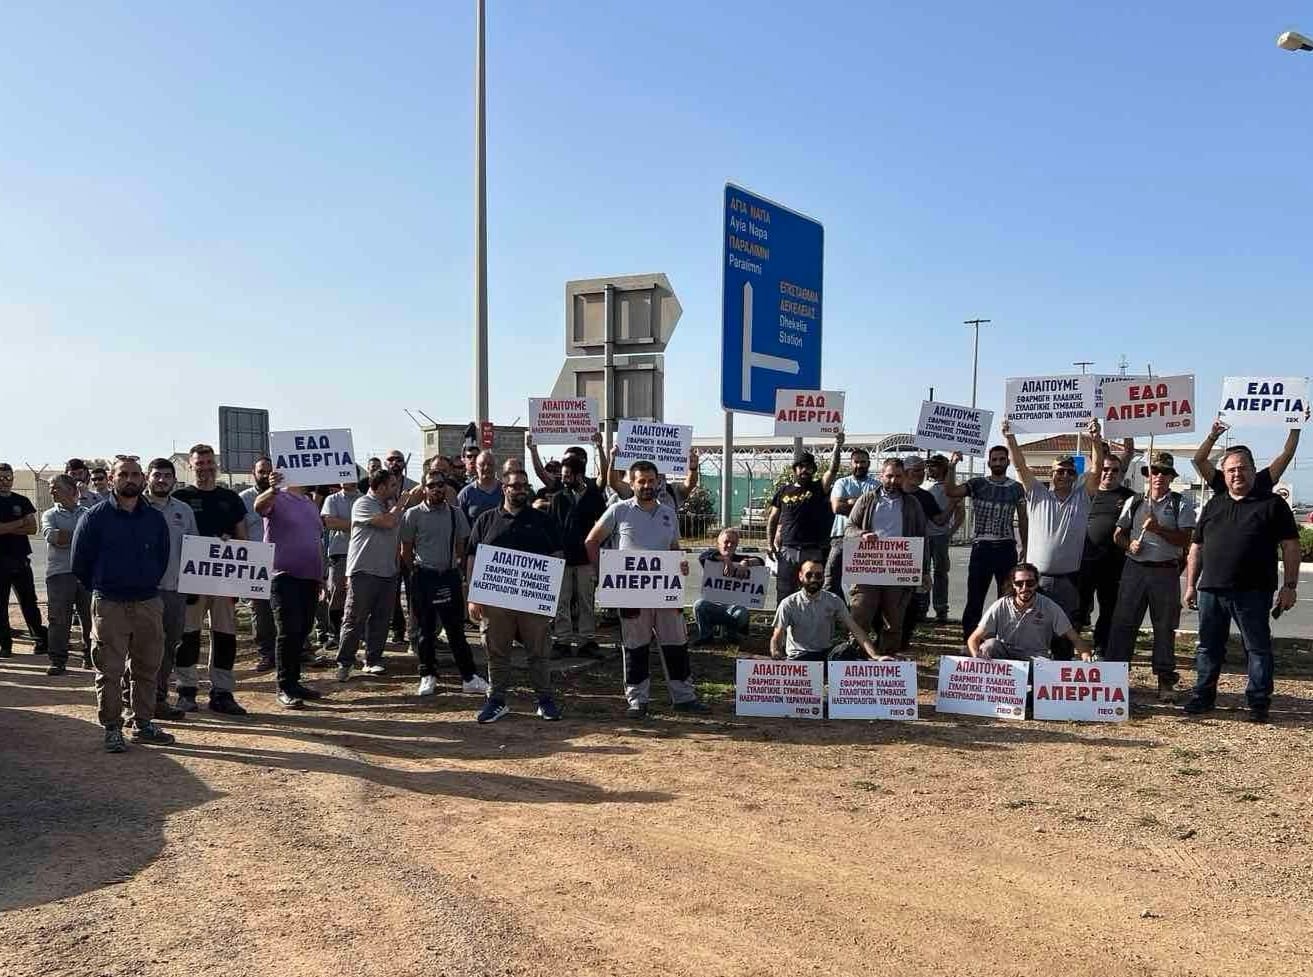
753,515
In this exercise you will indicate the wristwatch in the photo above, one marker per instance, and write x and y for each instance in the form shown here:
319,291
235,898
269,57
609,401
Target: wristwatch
1290,586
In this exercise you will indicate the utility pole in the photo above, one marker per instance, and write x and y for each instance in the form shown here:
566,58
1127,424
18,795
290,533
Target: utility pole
1084,368
1122,364
480,224
975,374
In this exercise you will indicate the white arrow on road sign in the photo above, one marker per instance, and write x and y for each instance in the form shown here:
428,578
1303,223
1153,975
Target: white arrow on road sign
760,361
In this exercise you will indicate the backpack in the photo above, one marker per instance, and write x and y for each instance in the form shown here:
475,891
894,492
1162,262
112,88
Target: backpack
1174,500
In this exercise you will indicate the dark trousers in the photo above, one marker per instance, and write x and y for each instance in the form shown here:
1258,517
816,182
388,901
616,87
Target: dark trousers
436,599
16,575
292,600
789,560
266,628
1100,577
401,615
918,609
1249,610
991,560
834,569
1064,590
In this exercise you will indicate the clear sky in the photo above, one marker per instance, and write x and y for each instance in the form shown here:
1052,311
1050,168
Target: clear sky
270,204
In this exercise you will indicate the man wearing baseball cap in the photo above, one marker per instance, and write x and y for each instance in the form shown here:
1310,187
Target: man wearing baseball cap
799,519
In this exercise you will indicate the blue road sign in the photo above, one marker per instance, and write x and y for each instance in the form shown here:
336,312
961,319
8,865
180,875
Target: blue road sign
771,302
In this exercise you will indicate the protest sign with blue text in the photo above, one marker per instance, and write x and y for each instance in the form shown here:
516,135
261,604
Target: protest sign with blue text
516,580
313,457
641,578
225,568
1049,405
734,584
949,427
665,445
1264,401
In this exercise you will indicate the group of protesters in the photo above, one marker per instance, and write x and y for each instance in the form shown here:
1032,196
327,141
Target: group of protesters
356,561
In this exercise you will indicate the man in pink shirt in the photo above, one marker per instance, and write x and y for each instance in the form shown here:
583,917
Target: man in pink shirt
293,524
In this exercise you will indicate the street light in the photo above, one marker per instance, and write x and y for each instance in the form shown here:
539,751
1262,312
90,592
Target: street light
1294,41
975,372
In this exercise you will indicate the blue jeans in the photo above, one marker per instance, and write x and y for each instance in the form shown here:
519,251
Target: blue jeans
1249,610
710,615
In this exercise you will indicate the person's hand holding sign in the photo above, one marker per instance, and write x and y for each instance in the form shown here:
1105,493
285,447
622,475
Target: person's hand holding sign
475,611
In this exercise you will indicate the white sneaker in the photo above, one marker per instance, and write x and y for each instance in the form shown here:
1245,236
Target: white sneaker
478,685
428,685
374,670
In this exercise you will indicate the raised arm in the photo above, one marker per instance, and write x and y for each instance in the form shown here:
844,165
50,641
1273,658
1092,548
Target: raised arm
693,474
1200,460
1023,529
1024,474
1278,465
538,468
1100,455
1128,455
831,473
263,504
951,488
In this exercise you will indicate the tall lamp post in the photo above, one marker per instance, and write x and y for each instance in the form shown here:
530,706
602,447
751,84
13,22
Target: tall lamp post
975,375
480,224
1294,41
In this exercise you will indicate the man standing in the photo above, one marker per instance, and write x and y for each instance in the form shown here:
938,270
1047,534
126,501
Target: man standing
433,538
918,606
484,492
17,522
799,519
576,508
371,567
403,611
120,552
266,630
336,514
804,622
514,525
1264,481
1237,538
995,499
890,511
161,477
940,534
1058,517
643,523
723,561
76,469
1023,624
99,483
843,497
219,513
64,593
1155,529
292,524
1102,559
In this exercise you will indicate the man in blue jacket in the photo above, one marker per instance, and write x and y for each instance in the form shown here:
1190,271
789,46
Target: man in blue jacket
120,552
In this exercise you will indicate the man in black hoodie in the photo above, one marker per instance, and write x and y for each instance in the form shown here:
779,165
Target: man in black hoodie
576,508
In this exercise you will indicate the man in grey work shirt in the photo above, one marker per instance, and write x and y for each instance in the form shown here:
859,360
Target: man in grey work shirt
161,477
336,513
1023,624
804,622
1058,517
261,611
1155,529
64,592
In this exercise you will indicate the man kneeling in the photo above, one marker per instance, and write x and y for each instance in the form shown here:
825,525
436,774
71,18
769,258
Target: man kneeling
804,622
1020,624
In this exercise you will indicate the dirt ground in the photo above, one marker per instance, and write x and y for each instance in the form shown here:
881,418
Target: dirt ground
377,834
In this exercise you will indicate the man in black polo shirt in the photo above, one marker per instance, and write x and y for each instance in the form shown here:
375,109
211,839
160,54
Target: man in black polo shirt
799,519
514,525
1265,480
1236,539
17,522
576,507
1102,560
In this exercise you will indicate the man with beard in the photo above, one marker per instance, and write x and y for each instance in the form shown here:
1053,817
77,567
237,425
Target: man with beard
890,511
76,469
1101,562
403,612
918,606
576,508
220,513
940,534
799,519
995,500
64,593
292,524
371,568
843,497
804,622
336,513
1023,624
643,523
161,477
120,552
514,525
261,611
17,522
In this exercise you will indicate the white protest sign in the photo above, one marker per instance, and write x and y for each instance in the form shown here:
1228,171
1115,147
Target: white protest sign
1161,405
792,690
665,445
563,420
892,561
319,457
640,578
873,690
994,687
225,568
808,413
722,584
1089,692
516,580
948,427
1049,405
1099,380
1264,401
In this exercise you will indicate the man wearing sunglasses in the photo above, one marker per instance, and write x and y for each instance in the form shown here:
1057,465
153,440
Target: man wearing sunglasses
1101,562
1022,625
805,620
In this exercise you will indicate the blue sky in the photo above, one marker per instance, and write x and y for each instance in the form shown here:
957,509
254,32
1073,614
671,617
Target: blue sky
271,204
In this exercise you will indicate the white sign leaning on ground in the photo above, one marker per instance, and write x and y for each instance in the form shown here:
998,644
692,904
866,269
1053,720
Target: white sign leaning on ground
891,561
1090,692
948,427
873,690
1264,401
665,445
993,687
1161,405
785,689
516,580
640,578
1049,405
563,420
808,413
320,457
216,567
720,587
